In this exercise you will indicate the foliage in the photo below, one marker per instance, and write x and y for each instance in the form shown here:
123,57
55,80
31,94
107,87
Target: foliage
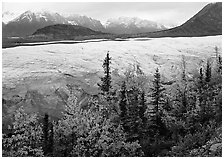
93,133
26,136
135,118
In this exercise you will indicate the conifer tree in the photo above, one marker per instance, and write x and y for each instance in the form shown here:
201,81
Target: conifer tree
157,94
123,101
142,107
184,69
47,136
220,64
184,83
123,106
157,102
201,94
106,80
200,87
167,105
218,60
51,139
208,71
133,120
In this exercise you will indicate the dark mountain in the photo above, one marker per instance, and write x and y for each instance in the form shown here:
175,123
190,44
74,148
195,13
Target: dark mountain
129,25
64,31
206,22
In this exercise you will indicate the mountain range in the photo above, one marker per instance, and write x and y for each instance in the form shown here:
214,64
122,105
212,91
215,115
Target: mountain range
207,21
127,25
28,22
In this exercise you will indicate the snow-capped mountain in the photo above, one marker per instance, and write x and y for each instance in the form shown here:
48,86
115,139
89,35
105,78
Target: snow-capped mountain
129,25
28,22
7,16
29,16
85,21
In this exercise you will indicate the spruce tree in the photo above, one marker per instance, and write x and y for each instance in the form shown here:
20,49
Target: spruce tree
167,105
200,87
51,140
123,101
45,134
142,107
106,80
157,94
220,64
123,106
133,120
218,61
157,101
184,83
208,72
201,94
184,69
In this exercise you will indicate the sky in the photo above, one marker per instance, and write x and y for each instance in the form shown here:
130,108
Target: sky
166,13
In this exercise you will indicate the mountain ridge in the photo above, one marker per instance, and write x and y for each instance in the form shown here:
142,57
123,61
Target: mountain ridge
207,22
36,20
65,31
131,25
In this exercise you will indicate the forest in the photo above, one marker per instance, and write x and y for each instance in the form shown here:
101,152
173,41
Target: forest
131,116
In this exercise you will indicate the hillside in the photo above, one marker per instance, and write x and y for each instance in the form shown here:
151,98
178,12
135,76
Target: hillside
206,22
63,31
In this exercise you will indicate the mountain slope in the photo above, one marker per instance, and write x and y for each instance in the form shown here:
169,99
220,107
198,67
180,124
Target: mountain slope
127,25
206,22
64,31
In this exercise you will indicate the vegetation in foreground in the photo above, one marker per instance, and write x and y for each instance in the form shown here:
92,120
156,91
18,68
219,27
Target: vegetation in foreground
130,117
